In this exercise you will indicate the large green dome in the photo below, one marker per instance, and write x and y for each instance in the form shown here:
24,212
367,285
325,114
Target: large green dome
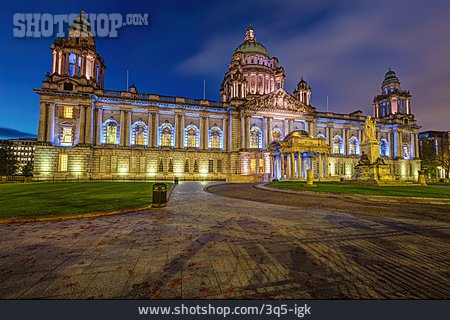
251,46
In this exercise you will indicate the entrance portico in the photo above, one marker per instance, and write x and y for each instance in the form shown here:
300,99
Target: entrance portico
298,152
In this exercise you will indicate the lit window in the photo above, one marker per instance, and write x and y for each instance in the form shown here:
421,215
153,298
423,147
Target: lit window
111,132
353,146
384,148
191,134
67,136
68,112
63,162
166,135
338,145
255,138
72,63
139,133
406,154
215,138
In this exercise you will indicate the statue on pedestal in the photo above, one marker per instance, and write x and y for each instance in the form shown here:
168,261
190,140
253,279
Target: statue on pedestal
369,130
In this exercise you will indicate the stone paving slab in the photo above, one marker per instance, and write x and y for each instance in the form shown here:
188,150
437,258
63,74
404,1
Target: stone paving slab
206,246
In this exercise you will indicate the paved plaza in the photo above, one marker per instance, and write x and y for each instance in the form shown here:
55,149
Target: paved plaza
234,241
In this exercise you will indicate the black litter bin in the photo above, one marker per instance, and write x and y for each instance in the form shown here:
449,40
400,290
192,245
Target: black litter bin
175,180
159,195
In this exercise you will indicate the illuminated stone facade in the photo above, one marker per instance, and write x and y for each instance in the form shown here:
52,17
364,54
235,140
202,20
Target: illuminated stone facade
87,132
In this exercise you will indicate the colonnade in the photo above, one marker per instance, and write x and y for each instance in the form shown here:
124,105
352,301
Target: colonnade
293,165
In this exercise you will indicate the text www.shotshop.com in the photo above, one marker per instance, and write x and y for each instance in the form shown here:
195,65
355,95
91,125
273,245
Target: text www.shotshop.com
265,309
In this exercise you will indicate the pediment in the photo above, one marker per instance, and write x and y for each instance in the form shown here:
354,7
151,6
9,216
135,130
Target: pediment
279,100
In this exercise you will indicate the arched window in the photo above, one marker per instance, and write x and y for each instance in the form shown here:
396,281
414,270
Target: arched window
338,146
384,148
111,131
320,136
277,135
353,145
191,137
166,132
72,63
66,134
139,133
255,138
215,138
406,151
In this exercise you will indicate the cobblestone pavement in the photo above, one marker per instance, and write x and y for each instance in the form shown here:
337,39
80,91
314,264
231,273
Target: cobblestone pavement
208,246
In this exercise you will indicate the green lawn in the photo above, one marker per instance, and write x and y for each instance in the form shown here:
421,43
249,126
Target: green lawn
336,187
59,198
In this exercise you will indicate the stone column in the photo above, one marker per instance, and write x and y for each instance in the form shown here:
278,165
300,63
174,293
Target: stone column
292,165
242,119
344,140
98,140
299,165
416,146
155,142
128,131
224,134
51,124
247,132
326,165
265,140
320,166
149,129
329,138
182,127
206,132
122,128
283,169
201,129
82,124
89,126
269,131
42,130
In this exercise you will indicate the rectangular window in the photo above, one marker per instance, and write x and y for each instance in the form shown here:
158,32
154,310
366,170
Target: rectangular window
219,166
253,165
211,166
68,112
67,135
161,165
170,165
63,162
186,166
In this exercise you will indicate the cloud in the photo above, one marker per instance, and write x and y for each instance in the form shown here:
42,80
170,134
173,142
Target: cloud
345,50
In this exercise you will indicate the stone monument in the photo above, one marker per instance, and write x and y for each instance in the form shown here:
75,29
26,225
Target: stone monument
371,167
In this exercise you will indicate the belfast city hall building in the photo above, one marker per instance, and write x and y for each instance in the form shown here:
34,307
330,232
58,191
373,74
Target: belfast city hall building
258,131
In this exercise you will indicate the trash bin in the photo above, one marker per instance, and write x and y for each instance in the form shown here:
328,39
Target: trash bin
159,195
175,180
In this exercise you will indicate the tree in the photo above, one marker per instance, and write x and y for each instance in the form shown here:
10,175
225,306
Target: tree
27,169
443,156
8,161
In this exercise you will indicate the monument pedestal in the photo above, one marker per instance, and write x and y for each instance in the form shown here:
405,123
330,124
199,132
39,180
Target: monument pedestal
371,167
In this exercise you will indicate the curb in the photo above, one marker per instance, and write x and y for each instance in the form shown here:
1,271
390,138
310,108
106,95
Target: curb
397,199
72,216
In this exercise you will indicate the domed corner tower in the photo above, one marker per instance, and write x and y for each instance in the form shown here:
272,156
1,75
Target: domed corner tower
75,61
251,71
392,100
303,92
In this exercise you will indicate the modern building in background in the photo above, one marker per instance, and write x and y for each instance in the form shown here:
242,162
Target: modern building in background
23,149
434,148
88,132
